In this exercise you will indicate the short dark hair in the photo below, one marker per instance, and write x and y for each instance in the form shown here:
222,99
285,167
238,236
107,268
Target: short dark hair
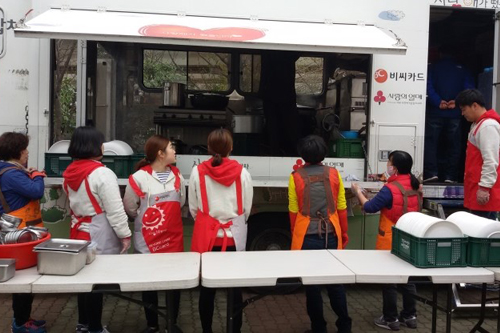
86,142
312,149
12,145
469,97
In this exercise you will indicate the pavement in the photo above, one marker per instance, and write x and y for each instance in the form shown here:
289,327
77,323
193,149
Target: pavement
273,313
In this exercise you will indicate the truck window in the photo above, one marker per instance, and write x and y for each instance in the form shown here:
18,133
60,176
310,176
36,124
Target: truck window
309,75
200,71
250,66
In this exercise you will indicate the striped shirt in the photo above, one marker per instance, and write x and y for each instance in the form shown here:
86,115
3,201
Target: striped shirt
163,176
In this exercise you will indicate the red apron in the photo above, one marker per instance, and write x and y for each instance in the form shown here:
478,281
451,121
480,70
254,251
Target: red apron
158,226
206,228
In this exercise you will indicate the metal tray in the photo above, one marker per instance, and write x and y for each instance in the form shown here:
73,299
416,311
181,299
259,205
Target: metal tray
7,269
62,245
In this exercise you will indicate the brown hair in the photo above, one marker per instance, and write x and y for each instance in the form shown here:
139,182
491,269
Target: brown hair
151,148
12,145
220,144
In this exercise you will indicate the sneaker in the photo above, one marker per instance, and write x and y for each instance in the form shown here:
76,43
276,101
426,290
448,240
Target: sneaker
28,327
389,325
104,330
410,322
432,179
151,330
39,323
449,181
81,328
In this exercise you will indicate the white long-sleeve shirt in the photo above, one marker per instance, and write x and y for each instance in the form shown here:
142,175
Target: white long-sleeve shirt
104,186
150,184
488,142
221,199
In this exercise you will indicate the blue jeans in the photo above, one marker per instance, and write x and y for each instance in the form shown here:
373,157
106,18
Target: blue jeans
336,292
450,128
486,214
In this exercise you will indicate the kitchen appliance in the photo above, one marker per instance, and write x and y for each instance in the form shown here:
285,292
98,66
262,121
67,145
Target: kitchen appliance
61,256
173,94
247,123
209,101
7,269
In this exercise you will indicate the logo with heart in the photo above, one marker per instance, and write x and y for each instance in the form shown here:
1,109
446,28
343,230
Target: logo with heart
231,34
153,218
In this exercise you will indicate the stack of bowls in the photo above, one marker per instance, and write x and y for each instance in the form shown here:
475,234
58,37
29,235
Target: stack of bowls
475,226
425,226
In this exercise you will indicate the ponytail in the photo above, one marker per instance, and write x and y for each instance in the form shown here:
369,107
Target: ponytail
415,184
217,160
142,163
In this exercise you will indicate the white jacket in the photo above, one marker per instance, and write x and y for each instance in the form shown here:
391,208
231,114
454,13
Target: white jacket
104,186
487,140
150,185
221,199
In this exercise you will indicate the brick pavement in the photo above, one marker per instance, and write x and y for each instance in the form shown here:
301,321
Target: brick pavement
277,313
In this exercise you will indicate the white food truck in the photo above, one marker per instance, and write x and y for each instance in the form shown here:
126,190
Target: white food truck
353,72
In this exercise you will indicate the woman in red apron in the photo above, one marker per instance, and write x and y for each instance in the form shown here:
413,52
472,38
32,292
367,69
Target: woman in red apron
220,200
154,197
20,192
97,213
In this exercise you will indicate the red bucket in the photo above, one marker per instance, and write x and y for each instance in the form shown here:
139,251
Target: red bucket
22,252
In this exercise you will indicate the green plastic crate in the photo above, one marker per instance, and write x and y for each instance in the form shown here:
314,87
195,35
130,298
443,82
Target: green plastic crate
483,252
55,164
351,148
134,159
121,165
429,252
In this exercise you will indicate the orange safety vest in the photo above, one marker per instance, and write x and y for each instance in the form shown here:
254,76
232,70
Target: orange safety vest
303,188
30,214
404,199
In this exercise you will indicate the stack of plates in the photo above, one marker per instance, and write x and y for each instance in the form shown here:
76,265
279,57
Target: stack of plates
425,226
475,226
117,148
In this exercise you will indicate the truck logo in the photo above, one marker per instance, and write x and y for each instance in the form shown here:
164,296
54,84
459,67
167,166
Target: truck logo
380,98
233,34
381,75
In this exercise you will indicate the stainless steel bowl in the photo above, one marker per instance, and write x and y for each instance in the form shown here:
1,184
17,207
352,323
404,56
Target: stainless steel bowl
12,219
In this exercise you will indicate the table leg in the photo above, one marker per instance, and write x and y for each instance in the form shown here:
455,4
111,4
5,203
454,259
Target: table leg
449,295
434,307
170,310
230,305
478,327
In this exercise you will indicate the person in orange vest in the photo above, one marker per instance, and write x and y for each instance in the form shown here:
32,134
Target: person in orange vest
318,220
401,194
21,189
154,197
220,199
97,213
481,181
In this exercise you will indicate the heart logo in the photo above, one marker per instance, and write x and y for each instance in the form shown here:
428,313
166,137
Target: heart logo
232,34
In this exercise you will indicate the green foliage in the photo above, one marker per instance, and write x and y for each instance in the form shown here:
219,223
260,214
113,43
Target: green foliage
67,100
157,72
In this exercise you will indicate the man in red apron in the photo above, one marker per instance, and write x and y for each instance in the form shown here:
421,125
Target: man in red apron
481,185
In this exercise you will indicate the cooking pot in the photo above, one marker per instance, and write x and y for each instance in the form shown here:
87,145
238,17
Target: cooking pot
173,94
247,123
209,101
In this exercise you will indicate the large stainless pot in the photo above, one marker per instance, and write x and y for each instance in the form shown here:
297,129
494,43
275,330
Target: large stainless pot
173,94
247,123
61,256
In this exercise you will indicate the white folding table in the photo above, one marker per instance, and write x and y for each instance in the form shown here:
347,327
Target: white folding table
270,268
128,273
21,282
375,266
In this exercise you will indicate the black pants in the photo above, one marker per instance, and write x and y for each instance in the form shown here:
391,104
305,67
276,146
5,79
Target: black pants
90,310
21,305
206,304
390,299
151,297
336,292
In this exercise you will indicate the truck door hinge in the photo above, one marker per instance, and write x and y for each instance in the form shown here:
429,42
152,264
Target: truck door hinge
101,9
181,13
328,21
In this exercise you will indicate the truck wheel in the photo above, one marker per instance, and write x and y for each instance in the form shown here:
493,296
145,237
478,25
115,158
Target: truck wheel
271,240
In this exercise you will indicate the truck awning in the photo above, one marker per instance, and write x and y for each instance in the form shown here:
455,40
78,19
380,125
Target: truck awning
211,32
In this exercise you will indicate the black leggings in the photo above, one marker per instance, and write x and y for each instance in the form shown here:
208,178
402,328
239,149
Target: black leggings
90,310
21,305
151,297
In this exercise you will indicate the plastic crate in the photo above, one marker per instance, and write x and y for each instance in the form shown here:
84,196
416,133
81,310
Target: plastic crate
55,164
121,165
429,252
483,252
348,148
134,159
